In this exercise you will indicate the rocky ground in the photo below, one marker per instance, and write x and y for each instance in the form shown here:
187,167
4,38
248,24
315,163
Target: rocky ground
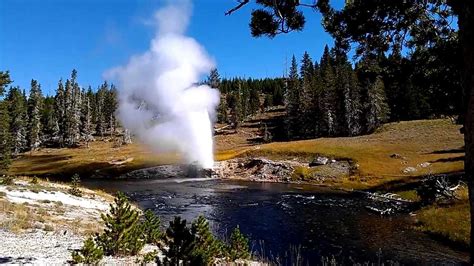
42,223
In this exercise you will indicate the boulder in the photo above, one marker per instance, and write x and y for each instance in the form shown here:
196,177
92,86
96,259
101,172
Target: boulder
319,161
409,170
424,165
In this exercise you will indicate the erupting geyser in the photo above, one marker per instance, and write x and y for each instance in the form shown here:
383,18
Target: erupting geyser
159,99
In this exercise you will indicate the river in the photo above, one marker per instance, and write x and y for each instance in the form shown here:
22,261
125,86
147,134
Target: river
285,221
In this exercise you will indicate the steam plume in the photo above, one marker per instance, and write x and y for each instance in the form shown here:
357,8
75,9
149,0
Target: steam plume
159,99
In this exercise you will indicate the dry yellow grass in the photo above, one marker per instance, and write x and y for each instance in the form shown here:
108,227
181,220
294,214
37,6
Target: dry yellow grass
435,141
94,160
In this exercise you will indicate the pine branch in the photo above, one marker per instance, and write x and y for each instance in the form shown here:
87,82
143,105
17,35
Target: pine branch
241,4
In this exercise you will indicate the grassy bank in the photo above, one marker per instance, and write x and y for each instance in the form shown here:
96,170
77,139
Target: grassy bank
448,222
381,158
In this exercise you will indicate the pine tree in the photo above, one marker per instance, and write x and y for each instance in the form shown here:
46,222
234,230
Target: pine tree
292,101
109,108
222,116
86,117
235,104
89,254
5,140
375,110
100,112
49,121
254,101
18,120
180,243
34,113
238,246
123,234
306,119
214,79
353,106
69,113
4,81
206,246
75,184
75,115
151,227
60,112
326,94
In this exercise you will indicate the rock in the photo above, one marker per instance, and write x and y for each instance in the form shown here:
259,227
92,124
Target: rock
424,165
396,156
319,161
333,161
409,170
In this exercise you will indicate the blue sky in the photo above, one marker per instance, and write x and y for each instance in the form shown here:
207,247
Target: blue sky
46,39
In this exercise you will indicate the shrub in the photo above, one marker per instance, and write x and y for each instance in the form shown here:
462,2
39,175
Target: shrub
150,257
123,233
238,246
75,183
7,180
34,180
90,253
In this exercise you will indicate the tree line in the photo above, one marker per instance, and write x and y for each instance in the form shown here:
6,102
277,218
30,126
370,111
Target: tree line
71,116
337,97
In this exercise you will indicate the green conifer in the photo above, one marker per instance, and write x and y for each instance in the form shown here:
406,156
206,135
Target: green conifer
179,242
151,227
238,246
90,253
206,246
123,234
5,139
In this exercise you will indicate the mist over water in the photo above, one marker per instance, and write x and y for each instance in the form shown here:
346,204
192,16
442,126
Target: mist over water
159,99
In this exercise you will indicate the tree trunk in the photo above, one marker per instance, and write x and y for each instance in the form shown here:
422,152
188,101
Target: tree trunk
466,35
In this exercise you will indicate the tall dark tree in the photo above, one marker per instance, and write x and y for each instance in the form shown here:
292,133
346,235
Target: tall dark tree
5,137
18,120
100,119
4,81
110,106
49,121
86,116
35,102
327,95
179,241
292,99
60,111
307,94
75,112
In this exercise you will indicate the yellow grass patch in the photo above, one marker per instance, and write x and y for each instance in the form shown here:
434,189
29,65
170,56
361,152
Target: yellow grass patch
437,142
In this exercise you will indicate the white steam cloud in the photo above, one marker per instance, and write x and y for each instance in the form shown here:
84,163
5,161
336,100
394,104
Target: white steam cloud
159,99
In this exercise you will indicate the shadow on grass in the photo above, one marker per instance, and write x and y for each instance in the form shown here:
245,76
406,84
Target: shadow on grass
446,160
63,171
459,150
412,182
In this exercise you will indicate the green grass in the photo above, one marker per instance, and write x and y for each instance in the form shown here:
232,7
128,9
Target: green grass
450,222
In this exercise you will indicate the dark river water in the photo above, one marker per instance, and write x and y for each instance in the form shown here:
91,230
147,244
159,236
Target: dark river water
284,221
